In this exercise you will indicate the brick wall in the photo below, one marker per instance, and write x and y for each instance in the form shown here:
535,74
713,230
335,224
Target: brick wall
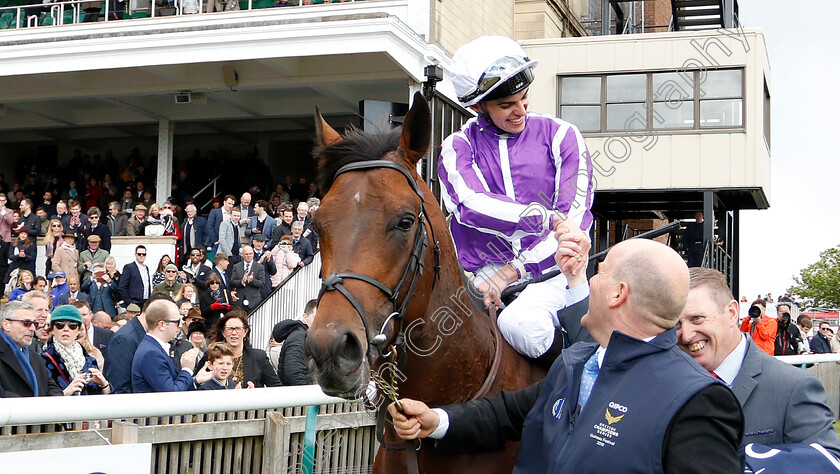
657,12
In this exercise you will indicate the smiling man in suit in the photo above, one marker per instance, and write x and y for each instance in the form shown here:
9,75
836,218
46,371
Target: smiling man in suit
248,279
152,370
782,404
136,281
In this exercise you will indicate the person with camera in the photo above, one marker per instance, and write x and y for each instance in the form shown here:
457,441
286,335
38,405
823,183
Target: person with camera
788,337
761,327
821,342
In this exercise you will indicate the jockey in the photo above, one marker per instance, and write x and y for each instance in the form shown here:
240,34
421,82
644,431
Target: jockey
509,177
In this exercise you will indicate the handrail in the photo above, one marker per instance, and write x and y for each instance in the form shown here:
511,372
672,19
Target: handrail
809,358
36,410
212,182
281,285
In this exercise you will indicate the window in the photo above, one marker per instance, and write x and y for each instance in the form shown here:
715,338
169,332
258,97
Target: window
674,100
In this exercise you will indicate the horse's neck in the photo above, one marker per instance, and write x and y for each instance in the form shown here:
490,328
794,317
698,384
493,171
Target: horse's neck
457,343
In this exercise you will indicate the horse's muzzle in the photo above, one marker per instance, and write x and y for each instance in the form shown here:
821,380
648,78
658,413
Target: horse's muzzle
337,360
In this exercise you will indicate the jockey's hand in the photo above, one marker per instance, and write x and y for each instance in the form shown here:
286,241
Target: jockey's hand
490,291
572,254
419,420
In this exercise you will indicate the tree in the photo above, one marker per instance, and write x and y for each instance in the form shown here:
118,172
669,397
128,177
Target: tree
819,283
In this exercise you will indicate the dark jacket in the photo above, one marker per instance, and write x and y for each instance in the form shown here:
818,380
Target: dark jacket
214,384
787,340
257,368
33,222
102,298
205,302
121,351
131,284
14,380
617,427
304,249
820,345
27,262
199,227
104,233
58,371
291,365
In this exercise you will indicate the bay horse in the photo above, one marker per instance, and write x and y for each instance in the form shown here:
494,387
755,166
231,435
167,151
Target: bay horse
394,299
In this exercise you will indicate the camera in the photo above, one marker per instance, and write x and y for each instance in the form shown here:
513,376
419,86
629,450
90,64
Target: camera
755,311
786,315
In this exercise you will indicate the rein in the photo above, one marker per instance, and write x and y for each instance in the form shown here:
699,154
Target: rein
410,277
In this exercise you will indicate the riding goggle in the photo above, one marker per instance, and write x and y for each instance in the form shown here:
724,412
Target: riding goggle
500,71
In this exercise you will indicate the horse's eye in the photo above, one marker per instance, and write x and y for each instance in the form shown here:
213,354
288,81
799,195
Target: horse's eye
406,223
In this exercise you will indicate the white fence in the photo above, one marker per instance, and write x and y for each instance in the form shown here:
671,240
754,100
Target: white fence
287,302
260,430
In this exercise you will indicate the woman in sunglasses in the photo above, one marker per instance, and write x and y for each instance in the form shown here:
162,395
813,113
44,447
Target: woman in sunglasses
68,363
509,177
53,240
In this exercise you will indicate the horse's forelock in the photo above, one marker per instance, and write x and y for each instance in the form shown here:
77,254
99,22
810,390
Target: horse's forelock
356,146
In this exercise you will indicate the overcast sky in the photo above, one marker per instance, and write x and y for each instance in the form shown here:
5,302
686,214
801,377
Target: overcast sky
803,219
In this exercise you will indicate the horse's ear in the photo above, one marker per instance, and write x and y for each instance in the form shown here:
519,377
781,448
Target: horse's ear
324,134
416,130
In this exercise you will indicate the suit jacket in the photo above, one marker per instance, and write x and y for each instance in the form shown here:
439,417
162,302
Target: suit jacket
14,380
257,368
85,256
101,339
782,404
131,284
251,291
116,224
153,371
121,351
200,228
65,297
132,226
200,277
270,269
268,228
102,298
228,237
78,230
214,221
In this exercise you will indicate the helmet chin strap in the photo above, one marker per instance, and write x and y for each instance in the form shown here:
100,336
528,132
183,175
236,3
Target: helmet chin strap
486,116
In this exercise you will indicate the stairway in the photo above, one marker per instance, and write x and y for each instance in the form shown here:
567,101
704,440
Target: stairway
704,14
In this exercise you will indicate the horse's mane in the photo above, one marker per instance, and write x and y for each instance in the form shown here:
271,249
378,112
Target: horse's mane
356,146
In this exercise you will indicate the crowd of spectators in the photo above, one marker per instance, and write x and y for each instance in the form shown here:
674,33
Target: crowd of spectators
223,266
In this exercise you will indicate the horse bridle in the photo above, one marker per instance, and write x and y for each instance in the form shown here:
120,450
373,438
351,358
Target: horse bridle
413,270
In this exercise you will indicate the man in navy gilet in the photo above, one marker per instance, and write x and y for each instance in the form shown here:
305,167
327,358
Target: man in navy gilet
630,402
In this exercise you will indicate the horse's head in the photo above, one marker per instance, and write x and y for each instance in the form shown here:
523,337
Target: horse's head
374,241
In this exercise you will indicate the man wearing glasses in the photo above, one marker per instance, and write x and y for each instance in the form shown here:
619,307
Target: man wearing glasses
152,370
136,281
821,342
195,271
22,370
97,228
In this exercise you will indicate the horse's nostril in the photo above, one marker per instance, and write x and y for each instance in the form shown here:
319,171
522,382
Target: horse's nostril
350,353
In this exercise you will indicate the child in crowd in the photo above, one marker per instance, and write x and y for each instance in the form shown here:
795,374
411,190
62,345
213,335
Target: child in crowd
220,357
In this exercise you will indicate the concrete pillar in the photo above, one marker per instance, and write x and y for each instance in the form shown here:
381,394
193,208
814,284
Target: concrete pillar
164,160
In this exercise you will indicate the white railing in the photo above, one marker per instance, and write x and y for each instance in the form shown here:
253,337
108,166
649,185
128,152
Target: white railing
809,358
33,410
286,303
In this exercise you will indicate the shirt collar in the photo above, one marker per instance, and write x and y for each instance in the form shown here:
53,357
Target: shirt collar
603,350
164,345
731,365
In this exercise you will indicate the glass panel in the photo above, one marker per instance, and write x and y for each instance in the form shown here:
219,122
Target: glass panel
626,117
627,88
673,87
673,115
587,118
714,84
721,113
580,90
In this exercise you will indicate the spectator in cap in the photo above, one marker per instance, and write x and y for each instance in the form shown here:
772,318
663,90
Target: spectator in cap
132,310
170,284
59,283
97,228
66,257
264,258
93,254
132,227
68,363
101,289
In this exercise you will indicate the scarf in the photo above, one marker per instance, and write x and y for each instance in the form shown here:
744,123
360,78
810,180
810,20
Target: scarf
67,246
73,357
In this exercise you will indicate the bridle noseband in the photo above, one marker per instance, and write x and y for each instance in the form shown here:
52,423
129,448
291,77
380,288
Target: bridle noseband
414,269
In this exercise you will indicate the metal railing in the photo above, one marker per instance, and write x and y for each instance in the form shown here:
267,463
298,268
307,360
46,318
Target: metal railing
214,183
84,11
286,302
